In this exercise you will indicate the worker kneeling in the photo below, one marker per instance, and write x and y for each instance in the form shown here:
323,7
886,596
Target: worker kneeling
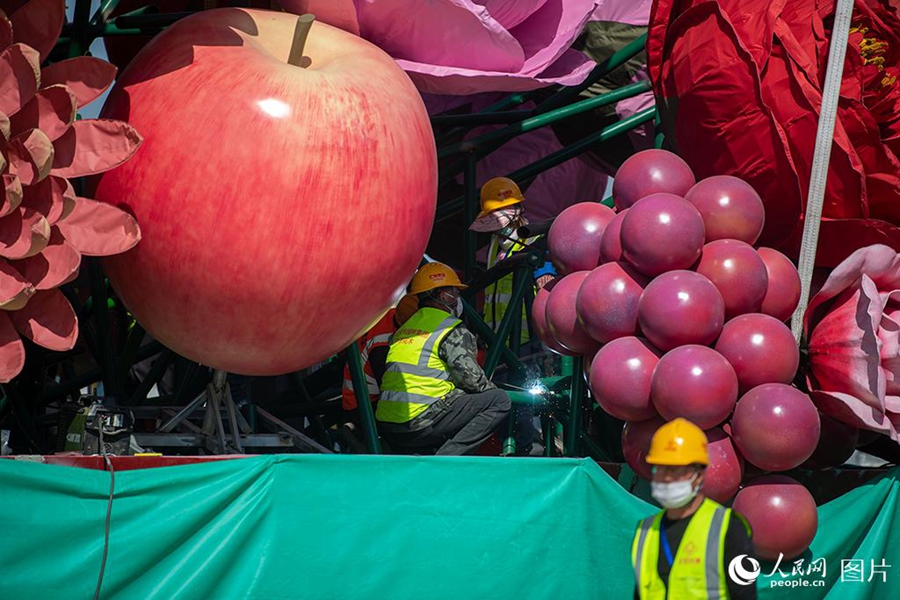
433,391
684,551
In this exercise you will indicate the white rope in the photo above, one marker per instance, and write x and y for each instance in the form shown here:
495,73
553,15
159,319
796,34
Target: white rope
819,174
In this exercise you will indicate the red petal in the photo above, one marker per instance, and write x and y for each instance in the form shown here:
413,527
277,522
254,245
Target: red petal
86,76
12,351
48,320
99,229
52,267
12,189
23,233
844,351
52,110
19,76
31,156
93,146
49,197
11,283
6,33
38,23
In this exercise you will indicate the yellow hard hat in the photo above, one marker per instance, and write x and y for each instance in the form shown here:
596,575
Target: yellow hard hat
432,276
678,443
498,193
406,308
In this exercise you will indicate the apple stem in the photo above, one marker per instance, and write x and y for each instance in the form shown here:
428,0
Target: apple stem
301,31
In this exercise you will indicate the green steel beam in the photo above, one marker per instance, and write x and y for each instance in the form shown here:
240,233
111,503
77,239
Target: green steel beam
363,403
102,14
573,428
522,277
470,247
481,329
478,119
491,139
529,172
618,59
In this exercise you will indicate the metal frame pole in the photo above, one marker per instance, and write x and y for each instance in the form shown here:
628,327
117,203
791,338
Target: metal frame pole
363,403
573,429
521,279
471,202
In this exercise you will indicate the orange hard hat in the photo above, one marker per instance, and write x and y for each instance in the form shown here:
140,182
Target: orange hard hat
406,308
432,276
498,193
678,443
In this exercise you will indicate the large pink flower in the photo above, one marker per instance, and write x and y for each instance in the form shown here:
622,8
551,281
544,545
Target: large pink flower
853,327
45,228
465,47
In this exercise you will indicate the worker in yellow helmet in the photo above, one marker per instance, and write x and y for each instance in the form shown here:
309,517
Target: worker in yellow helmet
502,213
434,393
687,550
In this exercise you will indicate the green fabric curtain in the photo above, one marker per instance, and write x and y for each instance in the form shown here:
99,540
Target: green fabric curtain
303,526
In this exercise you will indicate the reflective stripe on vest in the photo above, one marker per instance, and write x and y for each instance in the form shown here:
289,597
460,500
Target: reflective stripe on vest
415,376
698,571
498,295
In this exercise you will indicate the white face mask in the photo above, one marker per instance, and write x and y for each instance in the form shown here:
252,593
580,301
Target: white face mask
675,494
458,308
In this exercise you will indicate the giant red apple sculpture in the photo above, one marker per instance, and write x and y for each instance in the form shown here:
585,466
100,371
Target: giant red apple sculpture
284,208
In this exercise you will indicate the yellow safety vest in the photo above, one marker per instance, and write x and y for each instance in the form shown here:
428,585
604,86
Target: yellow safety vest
498,295
415,376
698,571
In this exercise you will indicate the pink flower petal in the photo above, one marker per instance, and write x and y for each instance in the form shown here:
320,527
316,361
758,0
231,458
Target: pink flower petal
13,194
52,110
50,198
337,13
889,336
11,283
31,156
844,349
510,13
23,233
53,266
99,229
86,76
38,23
12,351
93,146
19,76
547,33
571,69
877,261
48,320
850,410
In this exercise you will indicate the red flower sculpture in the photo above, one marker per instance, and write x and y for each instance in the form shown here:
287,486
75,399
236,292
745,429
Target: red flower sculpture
44,227
853,327
739,86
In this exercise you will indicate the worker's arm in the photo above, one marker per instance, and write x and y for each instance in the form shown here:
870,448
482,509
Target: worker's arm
378,360
458,349
737,542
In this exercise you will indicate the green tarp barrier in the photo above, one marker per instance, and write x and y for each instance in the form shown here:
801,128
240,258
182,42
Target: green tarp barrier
302,526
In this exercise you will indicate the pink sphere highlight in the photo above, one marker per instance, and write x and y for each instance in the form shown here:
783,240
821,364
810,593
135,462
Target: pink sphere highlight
782,514
574,238
680,307
620,378
662,232
726,467
607,302
562,318
650,172
730,207
760,348
775,426
611,244
696,383
738,273
783,286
